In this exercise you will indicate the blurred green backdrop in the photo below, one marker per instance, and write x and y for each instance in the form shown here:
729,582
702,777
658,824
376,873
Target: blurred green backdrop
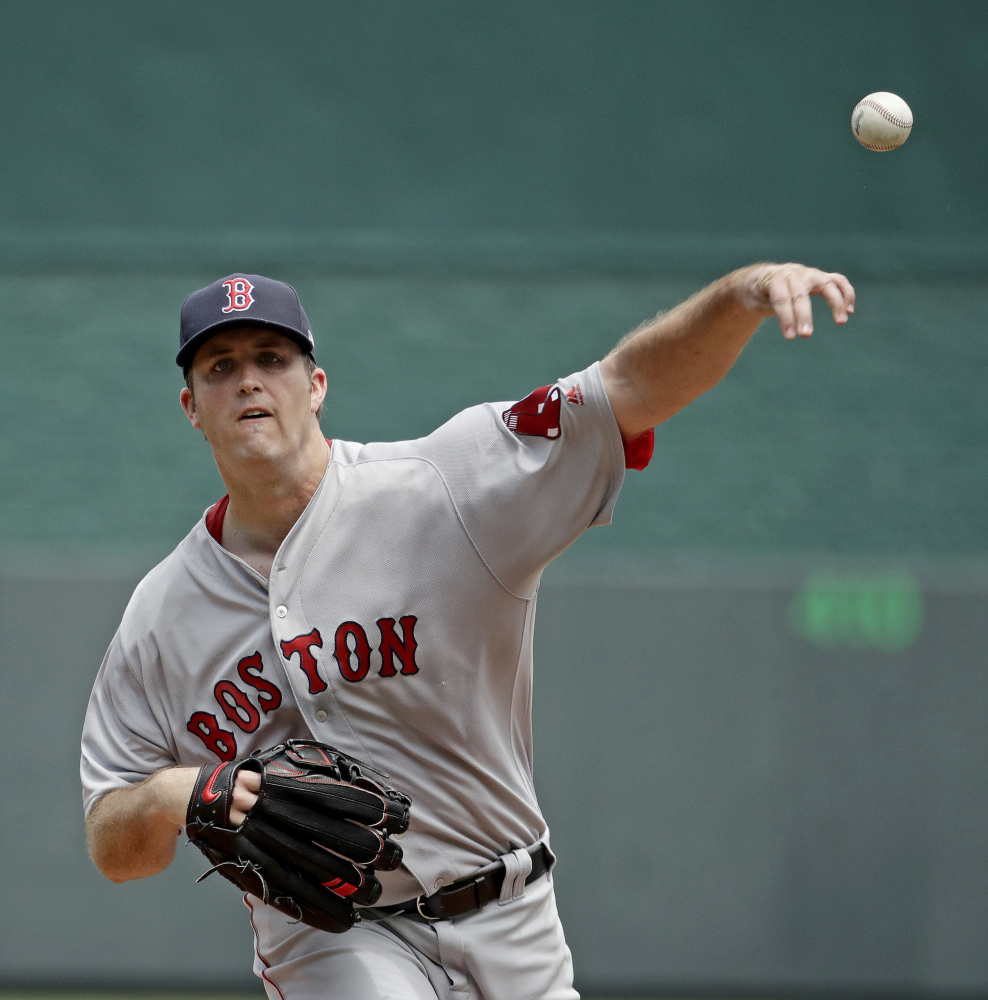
476,198
473,199
866,439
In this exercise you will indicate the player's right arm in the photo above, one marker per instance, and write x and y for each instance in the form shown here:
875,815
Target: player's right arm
667,363
132,831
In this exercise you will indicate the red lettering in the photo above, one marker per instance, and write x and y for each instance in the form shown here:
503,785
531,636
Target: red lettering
237,706
344,653
404,648
302,645
221,741
268,695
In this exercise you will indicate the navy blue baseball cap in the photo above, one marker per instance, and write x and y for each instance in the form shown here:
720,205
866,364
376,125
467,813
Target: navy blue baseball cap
239,299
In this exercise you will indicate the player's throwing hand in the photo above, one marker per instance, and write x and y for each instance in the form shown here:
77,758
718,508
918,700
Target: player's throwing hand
785,290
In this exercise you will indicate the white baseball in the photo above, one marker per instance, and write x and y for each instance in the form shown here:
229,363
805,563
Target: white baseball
881,121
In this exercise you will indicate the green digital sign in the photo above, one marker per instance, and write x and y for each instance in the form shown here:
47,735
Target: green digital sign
877,610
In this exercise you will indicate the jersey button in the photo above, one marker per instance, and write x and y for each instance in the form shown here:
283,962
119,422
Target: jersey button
321,716
281,611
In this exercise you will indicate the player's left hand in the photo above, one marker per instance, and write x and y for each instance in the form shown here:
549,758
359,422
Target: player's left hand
785,290
306,834
245,795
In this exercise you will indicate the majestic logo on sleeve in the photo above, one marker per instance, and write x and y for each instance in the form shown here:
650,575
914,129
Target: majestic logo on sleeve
537,414
240,293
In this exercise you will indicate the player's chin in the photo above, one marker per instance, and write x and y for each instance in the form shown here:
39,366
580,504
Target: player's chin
257,439
262,428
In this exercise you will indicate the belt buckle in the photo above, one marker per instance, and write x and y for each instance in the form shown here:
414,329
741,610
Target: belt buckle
424,916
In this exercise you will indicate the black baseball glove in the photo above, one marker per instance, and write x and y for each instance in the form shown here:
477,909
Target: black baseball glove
309,845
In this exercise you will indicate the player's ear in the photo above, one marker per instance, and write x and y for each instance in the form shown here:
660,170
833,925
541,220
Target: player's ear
319,385
189,405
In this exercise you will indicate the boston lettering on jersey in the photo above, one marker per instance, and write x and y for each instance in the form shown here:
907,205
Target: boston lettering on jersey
354,658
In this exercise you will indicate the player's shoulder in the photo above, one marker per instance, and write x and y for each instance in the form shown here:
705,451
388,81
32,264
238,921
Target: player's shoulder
539,412
171,579
387,459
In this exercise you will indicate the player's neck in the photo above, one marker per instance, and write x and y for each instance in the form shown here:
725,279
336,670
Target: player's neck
266,499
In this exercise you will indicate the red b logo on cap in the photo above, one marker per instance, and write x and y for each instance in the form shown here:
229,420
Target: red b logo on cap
238,291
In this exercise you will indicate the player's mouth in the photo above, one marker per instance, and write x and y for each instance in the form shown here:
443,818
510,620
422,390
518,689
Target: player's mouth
253,415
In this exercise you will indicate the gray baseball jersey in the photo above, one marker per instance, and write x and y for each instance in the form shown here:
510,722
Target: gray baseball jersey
396,625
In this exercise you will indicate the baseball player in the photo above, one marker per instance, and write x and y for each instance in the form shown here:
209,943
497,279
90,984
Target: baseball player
380,598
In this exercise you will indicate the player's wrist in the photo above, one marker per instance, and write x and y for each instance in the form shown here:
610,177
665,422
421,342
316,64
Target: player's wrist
172,789
750,287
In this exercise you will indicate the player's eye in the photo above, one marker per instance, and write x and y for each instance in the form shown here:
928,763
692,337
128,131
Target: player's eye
269,358
223,365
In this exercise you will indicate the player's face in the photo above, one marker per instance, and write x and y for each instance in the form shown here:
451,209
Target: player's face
253,397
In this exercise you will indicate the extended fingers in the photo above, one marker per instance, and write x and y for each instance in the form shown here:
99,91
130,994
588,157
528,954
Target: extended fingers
839,295
800,289
789,289
789,301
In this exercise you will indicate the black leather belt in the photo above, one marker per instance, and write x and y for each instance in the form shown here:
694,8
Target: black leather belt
462,896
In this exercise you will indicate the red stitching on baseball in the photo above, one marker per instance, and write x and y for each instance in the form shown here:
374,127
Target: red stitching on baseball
886,114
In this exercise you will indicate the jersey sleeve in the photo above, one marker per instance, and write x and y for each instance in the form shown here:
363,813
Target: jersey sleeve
528,477
122,741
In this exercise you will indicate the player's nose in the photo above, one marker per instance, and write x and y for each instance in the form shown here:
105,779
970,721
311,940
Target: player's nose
250,380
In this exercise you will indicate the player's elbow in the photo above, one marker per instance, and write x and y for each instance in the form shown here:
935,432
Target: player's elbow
117,877
119,868
123,851
104,860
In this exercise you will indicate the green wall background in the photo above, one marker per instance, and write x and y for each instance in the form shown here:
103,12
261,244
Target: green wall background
476,198
707,119
473,199
866,439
